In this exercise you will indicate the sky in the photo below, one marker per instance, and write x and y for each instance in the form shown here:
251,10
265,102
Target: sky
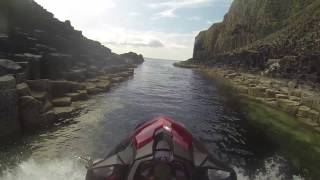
155,28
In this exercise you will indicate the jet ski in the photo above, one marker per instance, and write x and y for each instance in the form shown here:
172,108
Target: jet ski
160,149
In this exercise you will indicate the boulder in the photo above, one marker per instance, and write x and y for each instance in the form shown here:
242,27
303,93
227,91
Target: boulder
41,96
23,89
48,118
9,122
303,111
60,88
281,96
9,67
41,85
316,103
63,112
242,89
33,67
117,79
47,106
29,111
61,102
94,90
7,82
104,85
294,98
295,92
257,91
75,75
288,105
74,96
83,94
271,93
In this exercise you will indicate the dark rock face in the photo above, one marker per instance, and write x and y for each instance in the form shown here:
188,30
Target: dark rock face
254,31
133,58
42,59
9,123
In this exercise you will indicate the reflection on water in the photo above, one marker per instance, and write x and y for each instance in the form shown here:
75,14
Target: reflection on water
157,89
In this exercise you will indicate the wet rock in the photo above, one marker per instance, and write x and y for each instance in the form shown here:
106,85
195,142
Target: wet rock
74,96
293,84
54,65
48,118
63,112
270,93
117,79
94,90
60,88
294,98
7,82
288,105
29,111
31,64
40,95
62,101
47,106
281,96
83,94
9,122
76,75
295,92
257,91
9,67
303,111
23,89
105,85
242,89
41,85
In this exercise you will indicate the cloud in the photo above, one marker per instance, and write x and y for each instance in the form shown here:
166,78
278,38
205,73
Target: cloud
173,5
178,3
135,14
152,44
169,13
194,18
73,9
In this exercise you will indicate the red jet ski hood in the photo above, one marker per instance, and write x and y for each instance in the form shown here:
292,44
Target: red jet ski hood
146,133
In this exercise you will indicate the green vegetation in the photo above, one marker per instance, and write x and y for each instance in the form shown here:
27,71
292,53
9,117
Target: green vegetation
297,142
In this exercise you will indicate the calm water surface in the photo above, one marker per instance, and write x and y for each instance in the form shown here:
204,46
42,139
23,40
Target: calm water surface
157,89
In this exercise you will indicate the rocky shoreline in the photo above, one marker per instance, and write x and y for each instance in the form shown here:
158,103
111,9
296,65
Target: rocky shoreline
29,105
299,100
48,69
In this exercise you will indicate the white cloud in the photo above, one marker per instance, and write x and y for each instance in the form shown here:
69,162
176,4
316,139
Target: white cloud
178,3
194,18
169,13
173,5
135,14
149,43
74,9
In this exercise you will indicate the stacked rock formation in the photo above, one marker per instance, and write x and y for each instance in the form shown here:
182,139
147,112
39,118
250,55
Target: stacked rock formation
47,68
255,33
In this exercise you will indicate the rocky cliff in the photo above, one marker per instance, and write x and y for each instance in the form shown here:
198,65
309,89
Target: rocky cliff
280,38
46,66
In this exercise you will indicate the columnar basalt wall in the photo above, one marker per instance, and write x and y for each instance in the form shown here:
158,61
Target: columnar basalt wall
253,33
47,68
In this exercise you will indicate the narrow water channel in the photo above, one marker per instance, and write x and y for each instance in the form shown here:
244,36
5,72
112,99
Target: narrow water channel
158,88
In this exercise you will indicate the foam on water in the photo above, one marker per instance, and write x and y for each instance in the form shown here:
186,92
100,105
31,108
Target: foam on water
50,170
73,170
